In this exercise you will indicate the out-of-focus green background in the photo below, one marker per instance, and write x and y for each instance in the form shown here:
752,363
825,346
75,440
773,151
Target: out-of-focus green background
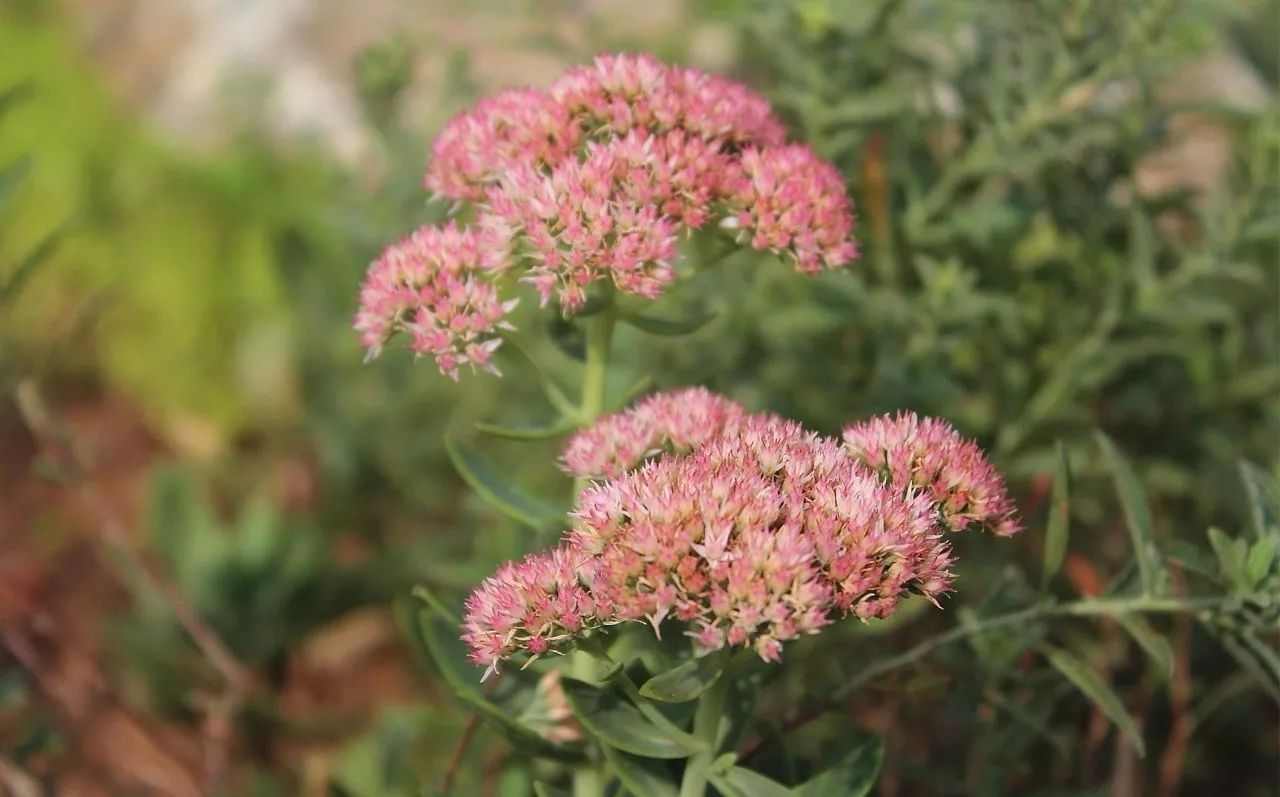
1069,214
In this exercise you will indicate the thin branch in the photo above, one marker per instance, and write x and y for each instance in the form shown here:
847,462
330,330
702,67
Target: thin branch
459,752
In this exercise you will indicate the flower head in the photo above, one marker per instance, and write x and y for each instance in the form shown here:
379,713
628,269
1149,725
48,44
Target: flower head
435,285
596,178
675,421
530,606
513,128
746,528
928,453
791,201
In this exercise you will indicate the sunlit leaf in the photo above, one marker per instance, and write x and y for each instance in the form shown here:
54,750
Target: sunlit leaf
11,176
26,268
1102,696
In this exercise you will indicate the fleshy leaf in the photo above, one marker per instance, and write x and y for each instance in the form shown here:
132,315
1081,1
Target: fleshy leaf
480,475
742,782
531,432
685,681
619,724
669,327
440,638
854,776
643,776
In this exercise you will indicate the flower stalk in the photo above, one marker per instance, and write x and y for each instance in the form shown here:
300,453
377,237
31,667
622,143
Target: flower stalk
706,728
587,779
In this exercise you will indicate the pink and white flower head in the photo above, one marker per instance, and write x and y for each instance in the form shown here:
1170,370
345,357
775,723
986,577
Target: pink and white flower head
791,201
435,285
747,529
927,453
532,606
513,128
676,421
596,178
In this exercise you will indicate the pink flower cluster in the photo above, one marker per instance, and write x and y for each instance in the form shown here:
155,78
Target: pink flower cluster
595,178
747,528
926,453
676,421
434,285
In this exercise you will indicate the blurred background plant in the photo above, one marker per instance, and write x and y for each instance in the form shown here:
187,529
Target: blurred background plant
1070,213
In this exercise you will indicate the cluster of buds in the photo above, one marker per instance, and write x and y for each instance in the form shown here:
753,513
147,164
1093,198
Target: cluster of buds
594,179
746,528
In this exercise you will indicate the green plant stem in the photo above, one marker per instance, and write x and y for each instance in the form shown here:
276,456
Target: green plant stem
587,779
706,727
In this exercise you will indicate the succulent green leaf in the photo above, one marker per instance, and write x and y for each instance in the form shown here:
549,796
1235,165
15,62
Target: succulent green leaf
476,470
742,782
685,681
641,776
530,432
669,327
440,637
853,776
619,724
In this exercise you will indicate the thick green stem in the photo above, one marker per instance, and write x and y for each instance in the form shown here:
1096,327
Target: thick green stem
587,779
599,340
706,728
